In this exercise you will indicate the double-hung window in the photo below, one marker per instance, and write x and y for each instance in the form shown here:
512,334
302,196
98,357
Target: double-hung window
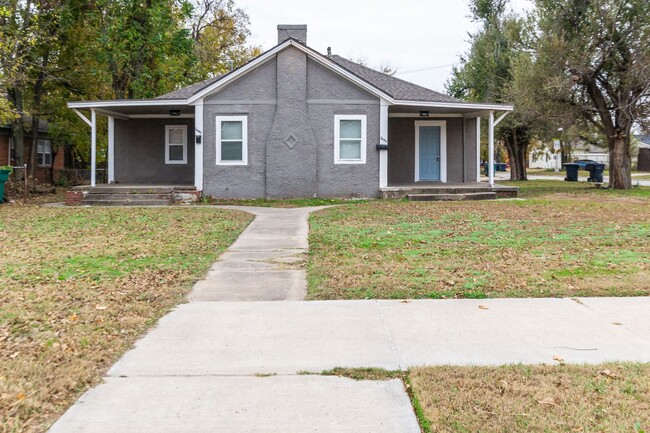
349,139
232,140
176,144
44,153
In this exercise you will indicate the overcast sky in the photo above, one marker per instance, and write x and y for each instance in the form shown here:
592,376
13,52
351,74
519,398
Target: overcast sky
419,38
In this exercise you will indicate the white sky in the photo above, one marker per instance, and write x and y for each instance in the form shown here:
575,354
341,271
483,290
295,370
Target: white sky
409,35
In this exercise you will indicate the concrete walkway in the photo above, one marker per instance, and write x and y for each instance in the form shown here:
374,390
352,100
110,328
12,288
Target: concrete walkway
266,262
235,366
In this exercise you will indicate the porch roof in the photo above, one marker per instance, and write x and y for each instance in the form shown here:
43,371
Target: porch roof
134,108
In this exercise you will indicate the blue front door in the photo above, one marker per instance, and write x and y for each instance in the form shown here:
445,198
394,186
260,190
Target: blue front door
429,160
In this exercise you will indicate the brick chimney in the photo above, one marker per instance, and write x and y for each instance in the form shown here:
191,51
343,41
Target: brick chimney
295,31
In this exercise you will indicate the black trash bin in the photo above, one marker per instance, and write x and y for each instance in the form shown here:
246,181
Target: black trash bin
595,172
571,172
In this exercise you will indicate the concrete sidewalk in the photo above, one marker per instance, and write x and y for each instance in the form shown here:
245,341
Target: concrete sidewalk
235,366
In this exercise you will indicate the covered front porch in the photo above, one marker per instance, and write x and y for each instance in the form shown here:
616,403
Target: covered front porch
151,144
435,148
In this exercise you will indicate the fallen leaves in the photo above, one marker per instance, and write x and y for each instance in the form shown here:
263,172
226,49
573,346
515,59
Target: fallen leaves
549,401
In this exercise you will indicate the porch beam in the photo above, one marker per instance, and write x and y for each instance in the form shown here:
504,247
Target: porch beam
93,148
491,148
84,118
111,149
383,140
198,145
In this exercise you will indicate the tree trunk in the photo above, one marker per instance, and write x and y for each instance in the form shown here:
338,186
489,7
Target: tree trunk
33,151
620,164
18,127
516,147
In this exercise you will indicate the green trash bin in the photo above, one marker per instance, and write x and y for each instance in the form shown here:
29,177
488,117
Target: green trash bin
571,172
4,176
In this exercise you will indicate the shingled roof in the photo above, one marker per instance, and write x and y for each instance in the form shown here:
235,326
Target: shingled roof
392,86
191,90
398,89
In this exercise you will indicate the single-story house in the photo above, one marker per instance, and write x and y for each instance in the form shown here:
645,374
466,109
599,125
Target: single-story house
294,123
49,159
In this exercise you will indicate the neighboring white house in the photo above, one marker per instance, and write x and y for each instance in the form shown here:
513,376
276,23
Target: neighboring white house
545,157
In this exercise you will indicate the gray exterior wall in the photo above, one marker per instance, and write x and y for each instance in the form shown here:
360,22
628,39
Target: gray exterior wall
140,152
461,149
470,150
291,96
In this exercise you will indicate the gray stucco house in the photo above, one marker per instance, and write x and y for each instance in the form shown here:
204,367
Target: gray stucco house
294,123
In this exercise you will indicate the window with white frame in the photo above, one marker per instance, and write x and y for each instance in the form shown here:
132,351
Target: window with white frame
232,140
175,144
349,139
44,152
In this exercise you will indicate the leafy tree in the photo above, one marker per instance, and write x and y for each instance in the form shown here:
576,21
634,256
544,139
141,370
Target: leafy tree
219,30
593,58
485,74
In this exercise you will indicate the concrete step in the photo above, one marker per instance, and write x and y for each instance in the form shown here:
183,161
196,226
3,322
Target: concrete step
130,189
453,197
138,196
150,202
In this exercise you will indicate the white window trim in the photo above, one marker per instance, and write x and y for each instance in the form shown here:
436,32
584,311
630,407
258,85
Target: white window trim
337,138
443,147
49,142
167,144
244,128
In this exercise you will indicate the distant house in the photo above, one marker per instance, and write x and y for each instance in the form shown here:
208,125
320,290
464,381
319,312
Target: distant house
48,159
294,123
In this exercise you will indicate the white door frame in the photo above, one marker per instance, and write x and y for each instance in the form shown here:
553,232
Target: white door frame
443,147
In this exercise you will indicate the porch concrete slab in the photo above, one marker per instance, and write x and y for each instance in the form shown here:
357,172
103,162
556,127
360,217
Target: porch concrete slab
250,285
241,404
504,331
261,337
630,313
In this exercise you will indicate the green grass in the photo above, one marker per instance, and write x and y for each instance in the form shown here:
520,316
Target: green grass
552,244
539,188
79,285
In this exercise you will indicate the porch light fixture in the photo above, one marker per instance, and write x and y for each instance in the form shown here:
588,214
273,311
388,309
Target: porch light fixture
174,113
424,114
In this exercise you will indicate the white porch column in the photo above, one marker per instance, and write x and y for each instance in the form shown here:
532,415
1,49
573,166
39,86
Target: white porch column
93,148
478,148
198,145
383,140
111,149
491,149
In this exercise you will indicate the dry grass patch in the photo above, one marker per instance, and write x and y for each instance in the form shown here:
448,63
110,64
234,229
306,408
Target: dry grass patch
568,398
78,286
569,245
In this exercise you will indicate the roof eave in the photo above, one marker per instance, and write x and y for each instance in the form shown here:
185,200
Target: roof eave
127,103
466,105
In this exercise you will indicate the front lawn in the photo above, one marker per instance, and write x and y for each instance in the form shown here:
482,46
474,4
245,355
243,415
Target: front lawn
79,285
567,240
613,398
